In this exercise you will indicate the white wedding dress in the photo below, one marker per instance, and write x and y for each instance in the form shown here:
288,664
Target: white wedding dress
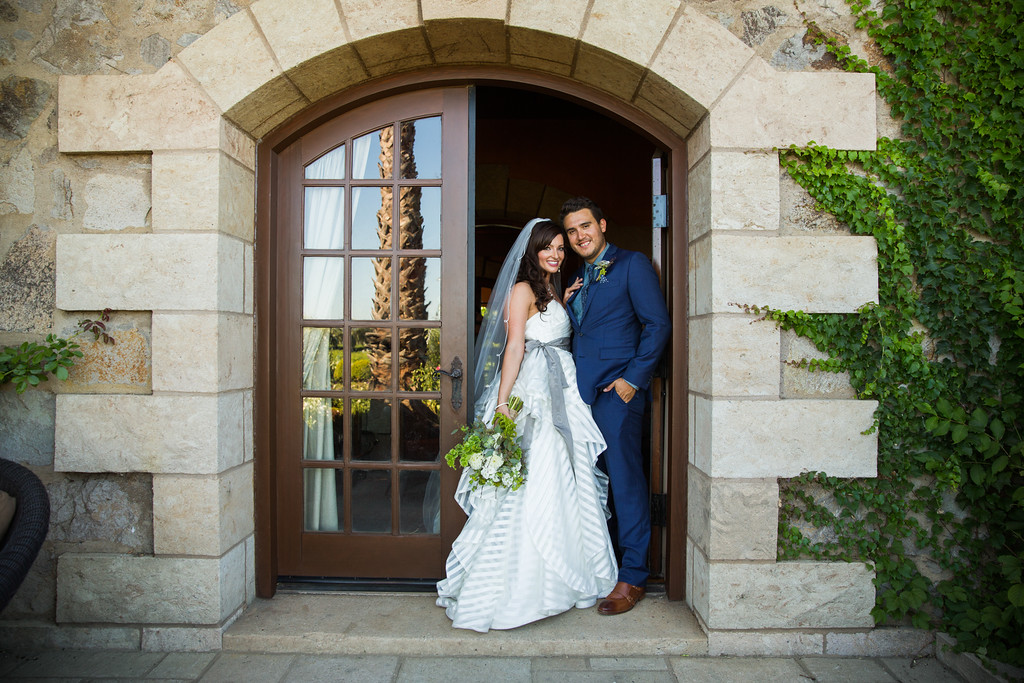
544,548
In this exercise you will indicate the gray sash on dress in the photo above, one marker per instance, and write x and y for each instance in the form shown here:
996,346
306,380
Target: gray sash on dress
556,384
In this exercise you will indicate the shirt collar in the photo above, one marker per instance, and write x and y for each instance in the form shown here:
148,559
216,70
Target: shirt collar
600,257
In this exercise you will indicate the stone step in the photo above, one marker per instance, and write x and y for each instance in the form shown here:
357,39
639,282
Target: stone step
411,624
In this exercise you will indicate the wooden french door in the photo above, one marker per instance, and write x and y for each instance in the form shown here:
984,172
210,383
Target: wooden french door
370,271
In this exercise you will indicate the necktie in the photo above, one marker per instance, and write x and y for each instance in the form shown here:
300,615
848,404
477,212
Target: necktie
581,298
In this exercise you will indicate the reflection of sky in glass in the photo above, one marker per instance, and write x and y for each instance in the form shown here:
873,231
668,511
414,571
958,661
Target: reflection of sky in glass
330,166
323,288
324,217
426,148
366,203
432,288
363,279
366,156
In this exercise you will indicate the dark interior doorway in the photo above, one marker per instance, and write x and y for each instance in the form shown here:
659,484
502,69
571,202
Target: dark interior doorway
534,151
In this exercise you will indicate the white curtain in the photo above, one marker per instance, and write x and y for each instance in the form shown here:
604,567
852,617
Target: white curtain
323,298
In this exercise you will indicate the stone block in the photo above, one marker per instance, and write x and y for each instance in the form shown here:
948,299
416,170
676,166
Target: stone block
366,18
454,41
559,18
799,215
790,595
26,282
123,589
544,51
248,279
828,668
26,430
668,104
202,352
34,600
203,190
464,10
738,669
101,513
740,192
165,110
150,272
607,71
700,275
882,642
733,520
802,383
17,184
182,639
159,434
202,515
214,61
238,145
250,569
700,600
328,73
19,636
764,644
698,143
813,274
635,40
385,54
122,367
297,36
116,202
765,108
734,355
736,438
700,56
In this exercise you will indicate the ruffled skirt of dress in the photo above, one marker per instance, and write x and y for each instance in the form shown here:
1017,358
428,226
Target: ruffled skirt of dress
541,550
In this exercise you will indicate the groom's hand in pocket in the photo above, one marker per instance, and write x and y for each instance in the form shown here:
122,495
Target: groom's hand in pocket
624,389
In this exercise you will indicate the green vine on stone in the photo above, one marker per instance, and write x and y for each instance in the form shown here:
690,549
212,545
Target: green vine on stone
31,363
943,350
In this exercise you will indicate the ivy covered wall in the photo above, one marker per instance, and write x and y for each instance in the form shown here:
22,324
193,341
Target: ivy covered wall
943,351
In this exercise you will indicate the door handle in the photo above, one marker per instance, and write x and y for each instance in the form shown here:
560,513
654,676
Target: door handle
455,373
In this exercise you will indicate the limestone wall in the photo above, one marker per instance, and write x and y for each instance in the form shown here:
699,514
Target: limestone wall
110,509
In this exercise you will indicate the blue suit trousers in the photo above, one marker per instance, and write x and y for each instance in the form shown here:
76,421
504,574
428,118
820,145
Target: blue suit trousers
622,425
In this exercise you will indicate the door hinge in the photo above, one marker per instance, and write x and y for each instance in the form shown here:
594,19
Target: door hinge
659,211
659,509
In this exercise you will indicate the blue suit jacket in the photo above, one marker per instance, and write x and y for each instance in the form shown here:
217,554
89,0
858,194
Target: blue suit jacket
625,325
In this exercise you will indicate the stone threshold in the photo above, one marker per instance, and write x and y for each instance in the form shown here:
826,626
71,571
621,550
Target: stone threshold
411,624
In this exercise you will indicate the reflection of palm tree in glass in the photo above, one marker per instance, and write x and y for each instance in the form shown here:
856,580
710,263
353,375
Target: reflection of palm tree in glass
412,271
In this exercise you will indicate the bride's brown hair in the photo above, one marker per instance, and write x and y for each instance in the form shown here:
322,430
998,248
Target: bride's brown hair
529,267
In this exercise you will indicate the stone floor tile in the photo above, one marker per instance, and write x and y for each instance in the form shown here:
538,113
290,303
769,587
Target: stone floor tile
628,664
730,669
250,668
88,664
926,670
603,677
846,670
183,665
321,669
449,669
560,664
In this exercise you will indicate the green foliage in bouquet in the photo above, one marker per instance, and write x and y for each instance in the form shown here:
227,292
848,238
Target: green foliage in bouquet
491,453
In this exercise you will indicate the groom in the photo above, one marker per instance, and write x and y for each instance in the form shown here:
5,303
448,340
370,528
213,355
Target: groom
621,326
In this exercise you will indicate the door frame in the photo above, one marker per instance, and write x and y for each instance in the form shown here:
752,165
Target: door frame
676,438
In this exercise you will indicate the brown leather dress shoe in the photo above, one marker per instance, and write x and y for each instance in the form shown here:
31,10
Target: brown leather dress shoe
622,599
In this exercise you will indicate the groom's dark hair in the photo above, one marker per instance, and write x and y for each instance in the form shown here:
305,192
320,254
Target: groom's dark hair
578,204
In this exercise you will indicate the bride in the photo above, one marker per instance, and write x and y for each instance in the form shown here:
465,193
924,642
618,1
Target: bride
544,548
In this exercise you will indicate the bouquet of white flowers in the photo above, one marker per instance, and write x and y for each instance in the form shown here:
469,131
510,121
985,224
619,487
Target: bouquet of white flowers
492,454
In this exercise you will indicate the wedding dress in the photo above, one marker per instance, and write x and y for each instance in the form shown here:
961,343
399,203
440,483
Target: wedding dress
540,550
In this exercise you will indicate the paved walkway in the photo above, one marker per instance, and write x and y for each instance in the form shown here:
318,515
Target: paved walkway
253,667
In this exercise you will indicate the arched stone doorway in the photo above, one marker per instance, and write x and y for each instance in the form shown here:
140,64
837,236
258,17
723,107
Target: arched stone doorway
201,116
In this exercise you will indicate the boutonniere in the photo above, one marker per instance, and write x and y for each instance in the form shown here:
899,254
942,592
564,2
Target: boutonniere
602,268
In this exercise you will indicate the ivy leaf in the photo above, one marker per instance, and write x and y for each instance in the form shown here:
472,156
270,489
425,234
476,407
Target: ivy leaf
1016,595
